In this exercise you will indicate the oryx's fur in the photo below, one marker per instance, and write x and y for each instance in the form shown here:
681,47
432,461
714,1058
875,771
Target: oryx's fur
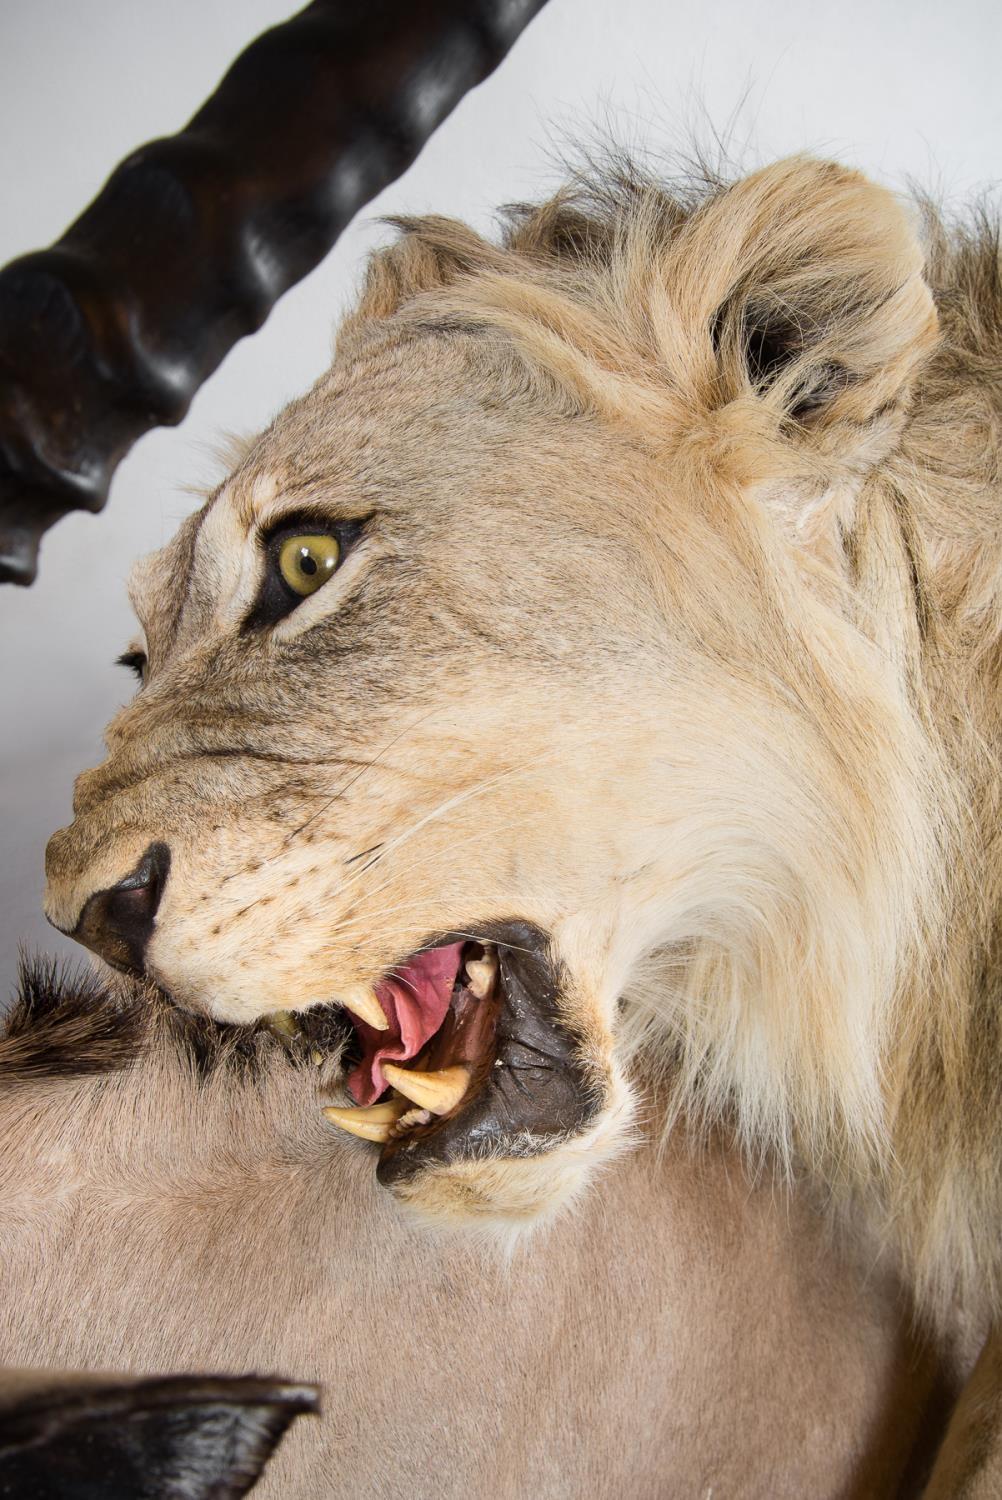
184,1207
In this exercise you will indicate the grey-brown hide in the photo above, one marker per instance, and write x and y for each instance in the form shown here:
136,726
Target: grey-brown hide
683,1334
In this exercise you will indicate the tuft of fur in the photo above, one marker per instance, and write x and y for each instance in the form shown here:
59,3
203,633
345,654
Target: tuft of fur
63,1022
70,1022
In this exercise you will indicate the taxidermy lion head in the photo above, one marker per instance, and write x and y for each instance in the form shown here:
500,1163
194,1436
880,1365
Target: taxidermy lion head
544,680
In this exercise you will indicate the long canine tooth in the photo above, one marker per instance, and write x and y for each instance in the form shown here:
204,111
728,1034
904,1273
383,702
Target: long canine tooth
439,1091
374,1123
480,973
360,999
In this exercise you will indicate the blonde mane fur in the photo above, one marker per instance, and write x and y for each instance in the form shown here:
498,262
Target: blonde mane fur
838,1005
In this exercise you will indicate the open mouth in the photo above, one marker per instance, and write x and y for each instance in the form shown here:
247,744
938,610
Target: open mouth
461,1051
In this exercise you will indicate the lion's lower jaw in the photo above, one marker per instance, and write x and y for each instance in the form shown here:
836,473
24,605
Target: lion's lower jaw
505,1197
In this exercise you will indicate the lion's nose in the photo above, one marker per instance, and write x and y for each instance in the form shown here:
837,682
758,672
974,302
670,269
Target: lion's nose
117,923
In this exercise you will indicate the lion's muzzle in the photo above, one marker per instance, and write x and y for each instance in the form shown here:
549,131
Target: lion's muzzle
116,921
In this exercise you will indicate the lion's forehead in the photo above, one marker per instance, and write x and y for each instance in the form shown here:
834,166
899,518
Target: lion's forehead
409,432
178,590
353,431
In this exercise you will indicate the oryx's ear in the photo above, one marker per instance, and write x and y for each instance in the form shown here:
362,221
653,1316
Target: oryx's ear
806,284
89,1437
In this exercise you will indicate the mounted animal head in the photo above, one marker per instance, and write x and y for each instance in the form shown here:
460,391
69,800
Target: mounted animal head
528,684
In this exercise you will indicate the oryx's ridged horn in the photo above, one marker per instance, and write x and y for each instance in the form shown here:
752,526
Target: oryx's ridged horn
103,335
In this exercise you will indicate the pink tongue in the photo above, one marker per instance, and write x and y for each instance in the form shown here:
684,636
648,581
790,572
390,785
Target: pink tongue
415,1001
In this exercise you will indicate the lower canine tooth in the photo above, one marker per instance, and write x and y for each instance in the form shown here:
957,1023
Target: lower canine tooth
480,974
373,1123
439,1091
362,1002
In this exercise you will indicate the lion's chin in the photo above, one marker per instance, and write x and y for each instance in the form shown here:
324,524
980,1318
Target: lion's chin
505,1197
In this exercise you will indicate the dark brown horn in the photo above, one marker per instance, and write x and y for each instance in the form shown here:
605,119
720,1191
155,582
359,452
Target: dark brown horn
194,238
78,1436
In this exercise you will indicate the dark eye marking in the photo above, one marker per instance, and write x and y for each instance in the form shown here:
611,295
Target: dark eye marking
135,661
277,597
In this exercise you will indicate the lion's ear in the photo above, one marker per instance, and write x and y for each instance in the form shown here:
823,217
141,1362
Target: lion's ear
805,284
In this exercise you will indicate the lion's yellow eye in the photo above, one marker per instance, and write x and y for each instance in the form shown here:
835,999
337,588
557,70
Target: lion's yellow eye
306,562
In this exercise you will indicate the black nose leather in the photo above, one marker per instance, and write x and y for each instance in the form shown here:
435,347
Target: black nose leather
117,923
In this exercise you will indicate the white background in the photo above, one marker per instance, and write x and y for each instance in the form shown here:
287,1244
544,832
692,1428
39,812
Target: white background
902,88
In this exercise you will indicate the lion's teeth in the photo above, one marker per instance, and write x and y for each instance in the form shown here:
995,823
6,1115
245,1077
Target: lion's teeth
414,1117
374,1123
480,974
439,1091
361,1000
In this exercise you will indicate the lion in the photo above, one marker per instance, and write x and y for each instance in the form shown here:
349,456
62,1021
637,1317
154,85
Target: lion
599,664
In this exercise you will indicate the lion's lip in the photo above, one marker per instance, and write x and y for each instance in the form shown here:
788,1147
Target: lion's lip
504,1072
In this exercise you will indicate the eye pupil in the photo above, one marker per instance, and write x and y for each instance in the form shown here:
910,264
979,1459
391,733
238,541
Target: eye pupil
307,564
